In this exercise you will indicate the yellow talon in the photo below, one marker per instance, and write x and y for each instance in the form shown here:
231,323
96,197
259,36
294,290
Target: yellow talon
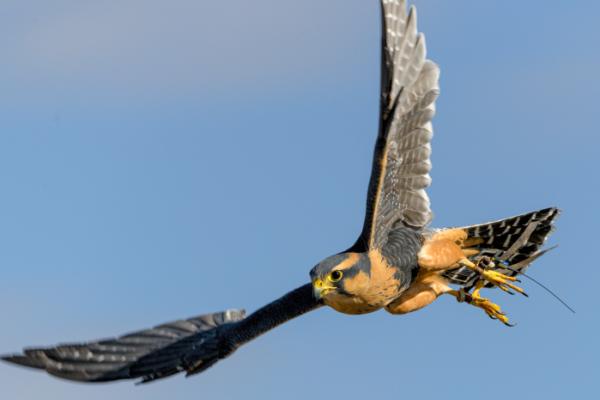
491,309
502,281
495,278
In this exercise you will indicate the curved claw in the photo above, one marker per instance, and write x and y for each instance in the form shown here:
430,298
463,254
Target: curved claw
502,281
491,309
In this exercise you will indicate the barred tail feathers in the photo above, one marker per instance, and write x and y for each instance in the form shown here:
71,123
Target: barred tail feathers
515,242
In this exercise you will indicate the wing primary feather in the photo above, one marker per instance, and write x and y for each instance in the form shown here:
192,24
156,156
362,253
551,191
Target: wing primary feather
401,160
192,345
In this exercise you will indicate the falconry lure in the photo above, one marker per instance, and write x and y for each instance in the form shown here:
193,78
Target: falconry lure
397,263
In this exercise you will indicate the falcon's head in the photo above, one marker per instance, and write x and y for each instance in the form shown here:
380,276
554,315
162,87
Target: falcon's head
341,281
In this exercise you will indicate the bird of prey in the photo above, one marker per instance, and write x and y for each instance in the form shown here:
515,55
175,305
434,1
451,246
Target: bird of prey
397,263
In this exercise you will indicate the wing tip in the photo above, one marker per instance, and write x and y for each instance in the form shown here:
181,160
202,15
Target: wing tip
412,10
23,360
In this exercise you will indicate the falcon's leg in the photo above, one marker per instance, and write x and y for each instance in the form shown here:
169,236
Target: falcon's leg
424,290
483,268
491,309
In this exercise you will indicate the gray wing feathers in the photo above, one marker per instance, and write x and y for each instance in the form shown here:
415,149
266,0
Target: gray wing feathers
409,106
148,354
191,345
405,47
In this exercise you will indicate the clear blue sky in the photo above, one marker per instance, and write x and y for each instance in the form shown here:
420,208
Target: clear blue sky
160,159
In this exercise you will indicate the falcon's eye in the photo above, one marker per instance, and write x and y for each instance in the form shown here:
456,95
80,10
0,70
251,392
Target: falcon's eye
335,276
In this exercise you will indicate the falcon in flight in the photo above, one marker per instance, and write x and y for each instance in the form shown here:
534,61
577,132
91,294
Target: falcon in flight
397,263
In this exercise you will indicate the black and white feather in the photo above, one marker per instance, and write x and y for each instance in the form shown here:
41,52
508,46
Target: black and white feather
514,243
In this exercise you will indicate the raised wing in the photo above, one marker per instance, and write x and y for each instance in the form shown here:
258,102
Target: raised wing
401,165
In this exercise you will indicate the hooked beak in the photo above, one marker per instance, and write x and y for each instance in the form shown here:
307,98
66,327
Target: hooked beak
320,288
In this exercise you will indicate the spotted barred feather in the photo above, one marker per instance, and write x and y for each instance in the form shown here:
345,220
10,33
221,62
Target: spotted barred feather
514,242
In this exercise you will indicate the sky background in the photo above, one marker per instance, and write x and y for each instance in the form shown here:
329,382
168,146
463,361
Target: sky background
162,159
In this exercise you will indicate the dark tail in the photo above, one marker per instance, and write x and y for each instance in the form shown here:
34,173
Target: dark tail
513,242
